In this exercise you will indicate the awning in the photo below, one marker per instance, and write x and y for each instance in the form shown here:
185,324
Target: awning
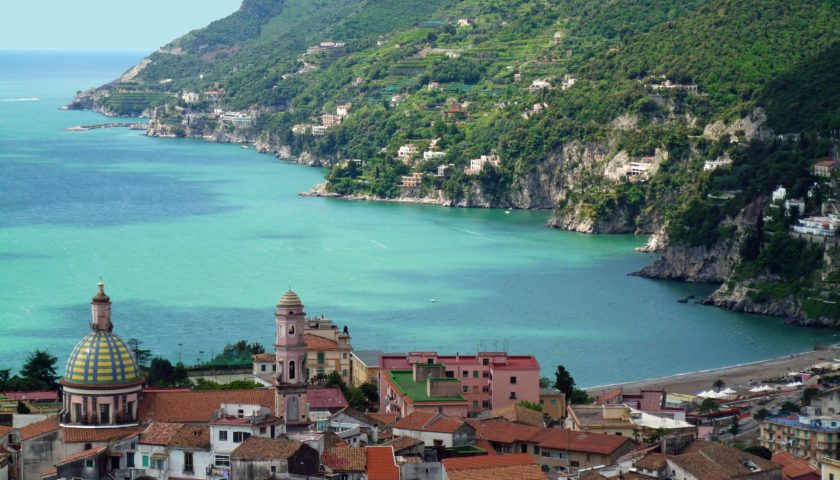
159,456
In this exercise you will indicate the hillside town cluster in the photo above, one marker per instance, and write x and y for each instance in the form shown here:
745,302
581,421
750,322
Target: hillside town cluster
440,417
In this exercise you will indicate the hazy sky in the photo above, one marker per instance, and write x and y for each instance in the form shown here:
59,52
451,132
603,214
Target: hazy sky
103,24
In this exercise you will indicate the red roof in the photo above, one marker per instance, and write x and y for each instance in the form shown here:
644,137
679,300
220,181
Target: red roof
4,431
503,431
316,343
825,163
429,422
386,418
88,435
38,428
263,357
85,454
326,398
520,466
381,464
484,461
793,467
33,396
197,406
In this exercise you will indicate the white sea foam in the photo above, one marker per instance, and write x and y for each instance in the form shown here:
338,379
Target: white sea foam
32,99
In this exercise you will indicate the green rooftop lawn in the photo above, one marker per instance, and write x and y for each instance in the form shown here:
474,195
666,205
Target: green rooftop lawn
404,381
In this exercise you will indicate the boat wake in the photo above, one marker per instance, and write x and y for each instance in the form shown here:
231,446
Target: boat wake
32,99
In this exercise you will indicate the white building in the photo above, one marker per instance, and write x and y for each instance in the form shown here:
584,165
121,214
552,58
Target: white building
719,162
318,130
431,155
477,164
819,226
568,82
343,110
189,97
406,152
638,169
779,193
539,85
237,119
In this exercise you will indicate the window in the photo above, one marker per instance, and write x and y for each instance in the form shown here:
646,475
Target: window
88,446
450,374
188,462
115,463
536,449
320,357
475,389
273,469
485,389
466,373
553,401
145,461
159,465
485,361
262,430
344,355
223,435
105,413
574,463
89,463
475,404
486,375
523,448
618,433
291,330
513,380
240,413
513,395
129,460
77,412
239,437
430,361
438,443
542,402
262,367
344,373
466,389
545,454
475,373
222,460
292,375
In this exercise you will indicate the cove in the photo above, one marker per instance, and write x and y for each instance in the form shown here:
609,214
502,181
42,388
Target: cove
197,241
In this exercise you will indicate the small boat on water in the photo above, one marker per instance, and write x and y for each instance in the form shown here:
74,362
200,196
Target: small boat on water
433,300
507,212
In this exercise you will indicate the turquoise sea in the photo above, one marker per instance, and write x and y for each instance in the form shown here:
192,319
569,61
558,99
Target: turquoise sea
197,241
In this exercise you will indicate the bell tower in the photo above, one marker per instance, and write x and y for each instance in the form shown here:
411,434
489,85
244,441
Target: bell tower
290,357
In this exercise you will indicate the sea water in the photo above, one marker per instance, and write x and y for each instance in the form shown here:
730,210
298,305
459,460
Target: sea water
197,241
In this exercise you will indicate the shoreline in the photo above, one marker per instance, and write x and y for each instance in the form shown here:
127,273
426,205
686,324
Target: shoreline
733,375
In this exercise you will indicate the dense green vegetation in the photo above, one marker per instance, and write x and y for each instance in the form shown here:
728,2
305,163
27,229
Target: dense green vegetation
454,76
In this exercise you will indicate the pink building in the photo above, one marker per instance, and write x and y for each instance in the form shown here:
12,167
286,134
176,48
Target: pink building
488,380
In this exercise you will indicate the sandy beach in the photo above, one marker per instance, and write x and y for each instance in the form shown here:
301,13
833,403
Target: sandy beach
694,382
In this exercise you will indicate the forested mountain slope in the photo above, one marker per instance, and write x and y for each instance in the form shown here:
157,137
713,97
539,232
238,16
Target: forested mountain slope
671,117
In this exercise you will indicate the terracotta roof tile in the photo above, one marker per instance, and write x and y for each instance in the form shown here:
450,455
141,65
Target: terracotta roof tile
403,443
259,448
652,461
326,398
793,467
88,435
159,433
503,431
364,417
519,472
332,440
50,396
712,461
5,430
485,445
485,461
39,428
429,422
263,357
381,464
50,472
386,418
85,454
191,436
520,466
316,343
519,414
345,459
199,405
